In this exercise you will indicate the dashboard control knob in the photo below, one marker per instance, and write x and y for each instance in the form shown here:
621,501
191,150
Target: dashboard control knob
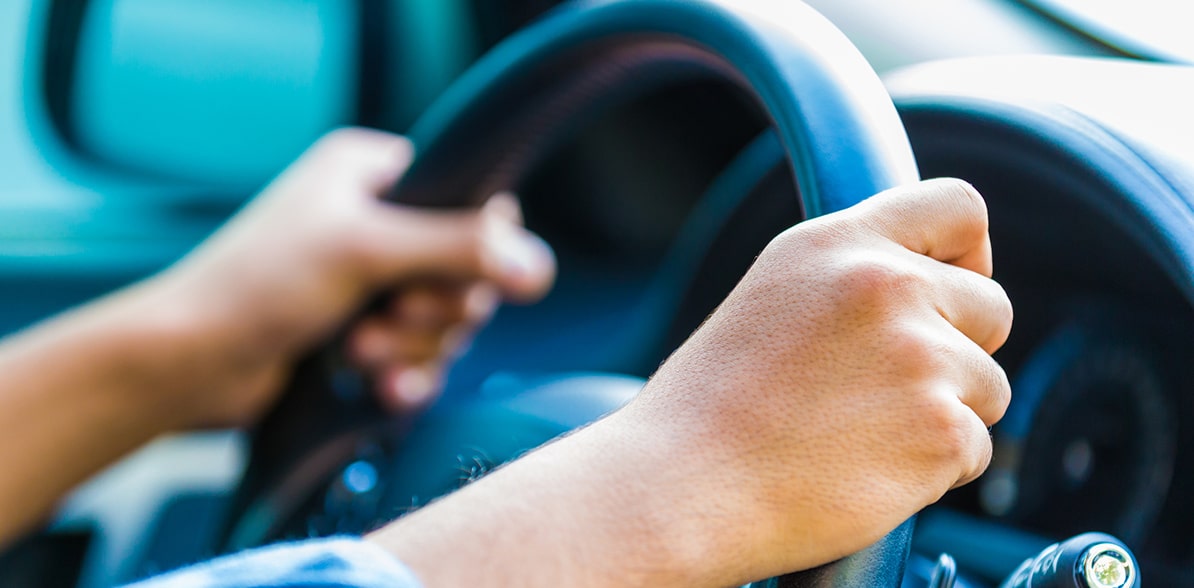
1090,560
1108,566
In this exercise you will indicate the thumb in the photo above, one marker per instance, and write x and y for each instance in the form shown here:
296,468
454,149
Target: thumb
485,244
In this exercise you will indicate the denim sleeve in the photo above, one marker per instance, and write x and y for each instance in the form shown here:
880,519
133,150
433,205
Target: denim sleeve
322,563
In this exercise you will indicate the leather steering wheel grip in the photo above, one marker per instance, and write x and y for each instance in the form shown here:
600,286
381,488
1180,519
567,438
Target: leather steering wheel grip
834,118
837,126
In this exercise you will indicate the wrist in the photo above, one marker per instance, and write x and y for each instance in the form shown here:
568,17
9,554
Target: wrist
616,503
162,342
87,387
721,497
715,530
179,356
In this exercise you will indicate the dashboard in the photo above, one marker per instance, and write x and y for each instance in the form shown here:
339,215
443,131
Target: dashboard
1085,162
1090,219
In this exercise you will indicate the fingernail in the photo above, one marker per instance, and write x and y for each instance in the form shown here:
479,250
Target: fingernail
413,386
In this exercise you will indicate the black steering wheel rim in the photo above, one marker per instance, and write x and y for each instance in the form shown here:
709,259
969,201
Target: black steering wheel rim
839,130
835,120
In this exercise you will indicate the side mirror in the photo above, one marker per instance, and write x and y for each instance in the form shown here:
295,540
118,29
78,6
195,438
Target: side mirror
225,93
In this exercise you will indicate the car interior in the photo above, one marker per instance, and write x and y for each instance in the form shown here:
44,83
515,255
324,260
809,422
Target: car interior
658,146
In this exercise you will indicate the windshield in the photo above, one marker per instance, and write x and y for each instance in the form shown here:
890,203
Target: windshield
1153,29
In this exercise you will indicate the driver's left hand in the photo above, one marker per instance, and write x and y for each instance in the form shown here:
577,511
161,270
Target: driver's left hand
316,246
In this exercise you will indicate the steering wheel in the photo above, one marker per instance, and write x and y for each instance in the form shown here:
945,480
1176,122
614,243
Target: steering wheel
836,124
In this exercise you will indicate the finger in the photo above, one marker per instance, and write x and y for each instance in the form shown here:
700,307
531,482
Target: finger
480,303
430,304
457,342
523,265
466,245
505,205
443,306
369,159
973,304
976,446
377,341
985,388
369,344
945,219
404,388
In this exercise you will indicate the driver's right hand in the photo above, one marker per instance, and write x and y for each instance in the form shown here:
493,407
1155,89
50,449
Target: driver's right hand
847,381
845,384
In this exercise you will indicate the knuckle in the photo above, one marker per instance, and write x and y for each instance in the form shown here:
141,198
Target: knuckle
970,204
962,193
961,443
358,143
338,140
937,414
998,392
982,309
948,433
349,134
877,280
980,460
1002,313
784,246
818,236
917,356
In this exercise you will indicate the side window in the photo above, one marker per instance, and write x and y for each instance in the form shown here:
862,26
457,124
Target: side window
223,91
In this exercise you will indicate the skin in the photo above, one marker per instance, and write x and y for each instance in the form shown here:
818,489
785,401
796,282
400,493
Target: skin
209,342
845,383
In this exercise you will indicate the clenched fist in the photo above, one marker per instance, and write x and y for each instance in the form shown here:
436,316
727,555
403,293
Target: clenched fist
313,248
210,341
845,384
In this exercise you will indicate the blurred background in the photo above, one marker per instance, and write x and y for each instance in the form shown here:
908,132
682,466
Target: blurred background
133,127
130,129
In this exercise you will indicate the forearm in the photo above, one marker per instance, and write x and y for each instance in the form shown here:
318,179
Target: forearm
78,392
609,505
